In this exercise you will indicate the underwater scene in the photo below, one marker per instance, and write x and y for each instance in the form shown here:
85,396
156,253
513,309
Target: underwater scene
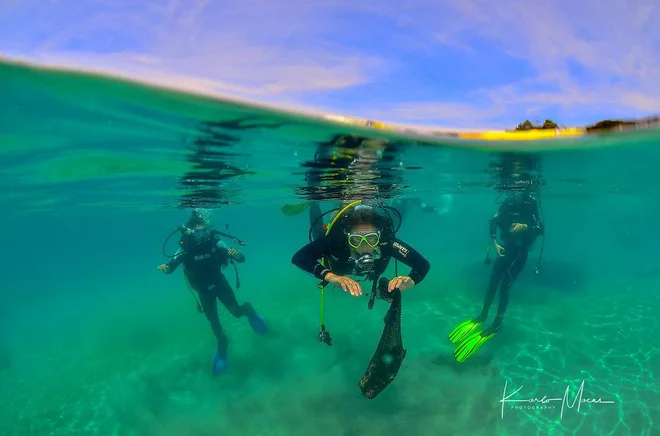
176,264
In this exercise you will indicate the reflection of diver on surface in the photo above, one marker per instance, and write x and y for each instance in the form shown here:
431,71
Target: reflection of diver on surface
210,180
519,222
203,254
350,167
344,168
360,241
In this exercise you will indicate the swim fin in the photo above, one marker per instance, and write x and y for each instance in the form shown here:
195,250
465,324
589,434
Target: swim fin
463,330
220,360
294,209
389,355
472,343
257,323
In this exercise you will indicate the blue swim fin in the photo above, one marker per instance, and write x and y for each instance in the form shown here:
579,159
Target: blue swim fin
220,360
257,323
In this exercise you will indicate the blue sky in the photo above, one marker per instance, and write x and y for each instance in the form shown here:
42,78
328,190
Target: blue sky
456,64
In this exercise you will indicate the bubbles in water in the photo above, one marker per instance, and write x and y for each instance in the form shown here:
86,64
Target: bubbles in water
205,215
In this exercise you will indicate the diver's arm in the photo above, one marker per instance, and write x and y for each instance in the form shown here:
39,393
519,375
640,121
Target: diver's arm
238,257
175,262
492,226
234,254
410,257
308,257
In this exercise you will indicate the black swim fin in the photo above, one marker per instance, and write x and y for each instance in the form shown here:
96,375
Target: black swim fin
389,355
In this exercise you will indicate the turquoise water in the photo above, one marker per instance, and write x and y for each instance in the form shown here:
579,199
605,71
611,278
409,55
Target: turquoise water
94,340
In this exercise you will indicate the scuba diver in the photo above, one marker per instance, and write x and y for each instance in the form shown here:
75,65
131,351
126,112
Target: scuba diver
203,254
359,241
519,222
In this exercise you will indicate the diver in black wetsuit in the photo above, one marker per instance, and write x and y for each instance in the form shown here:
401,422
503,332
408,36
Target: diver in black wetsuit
519,220
519,223
203,254
361,242
364,249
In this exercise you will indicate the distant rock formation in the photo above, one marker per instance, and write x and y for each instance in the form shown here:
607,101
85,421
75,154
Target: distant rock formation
601,126
547,125
609,125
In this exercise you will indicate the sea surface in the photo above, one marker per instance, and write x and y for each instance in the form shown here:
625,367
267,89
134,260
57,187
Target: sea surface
96,172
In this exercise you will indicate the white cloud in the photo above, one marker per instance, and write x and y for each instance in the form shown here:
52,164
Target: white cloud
586,57
239,47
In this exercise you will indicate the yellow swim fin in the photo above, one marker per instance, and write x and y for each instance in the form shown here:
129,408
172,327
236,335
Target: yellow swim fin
294,209
471,344
463,330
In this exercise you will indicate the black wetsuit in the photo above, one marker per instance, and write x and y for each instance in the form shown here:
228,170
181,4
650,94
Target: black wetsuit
202,267
516,249
338,254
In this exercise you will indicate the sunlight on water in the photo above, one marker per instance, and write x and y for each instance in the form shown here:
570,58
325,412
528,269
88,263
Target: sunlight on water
94,340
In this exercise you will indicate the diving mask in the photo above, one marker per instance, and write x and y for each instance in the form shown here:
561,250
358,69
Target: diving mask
372,239
197,235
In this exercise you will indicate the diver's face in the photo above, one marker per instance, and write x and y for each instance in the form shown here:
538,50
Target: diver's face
364,238
198,233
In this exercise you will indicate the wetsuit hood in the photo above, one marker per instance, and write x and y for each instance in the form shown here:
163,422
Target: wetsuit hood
363,213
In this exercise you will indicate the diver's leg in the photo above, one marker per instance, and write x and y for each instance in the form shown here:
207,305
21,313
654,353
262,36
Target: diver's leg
220,359
499,268
510,276
315,220
207,299
227,297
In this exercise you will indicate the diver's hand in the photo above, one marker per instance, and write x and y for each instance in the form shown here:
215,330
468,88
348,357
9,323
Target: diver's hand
346,283
401,282
235,255
499,249
164,267
517,227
